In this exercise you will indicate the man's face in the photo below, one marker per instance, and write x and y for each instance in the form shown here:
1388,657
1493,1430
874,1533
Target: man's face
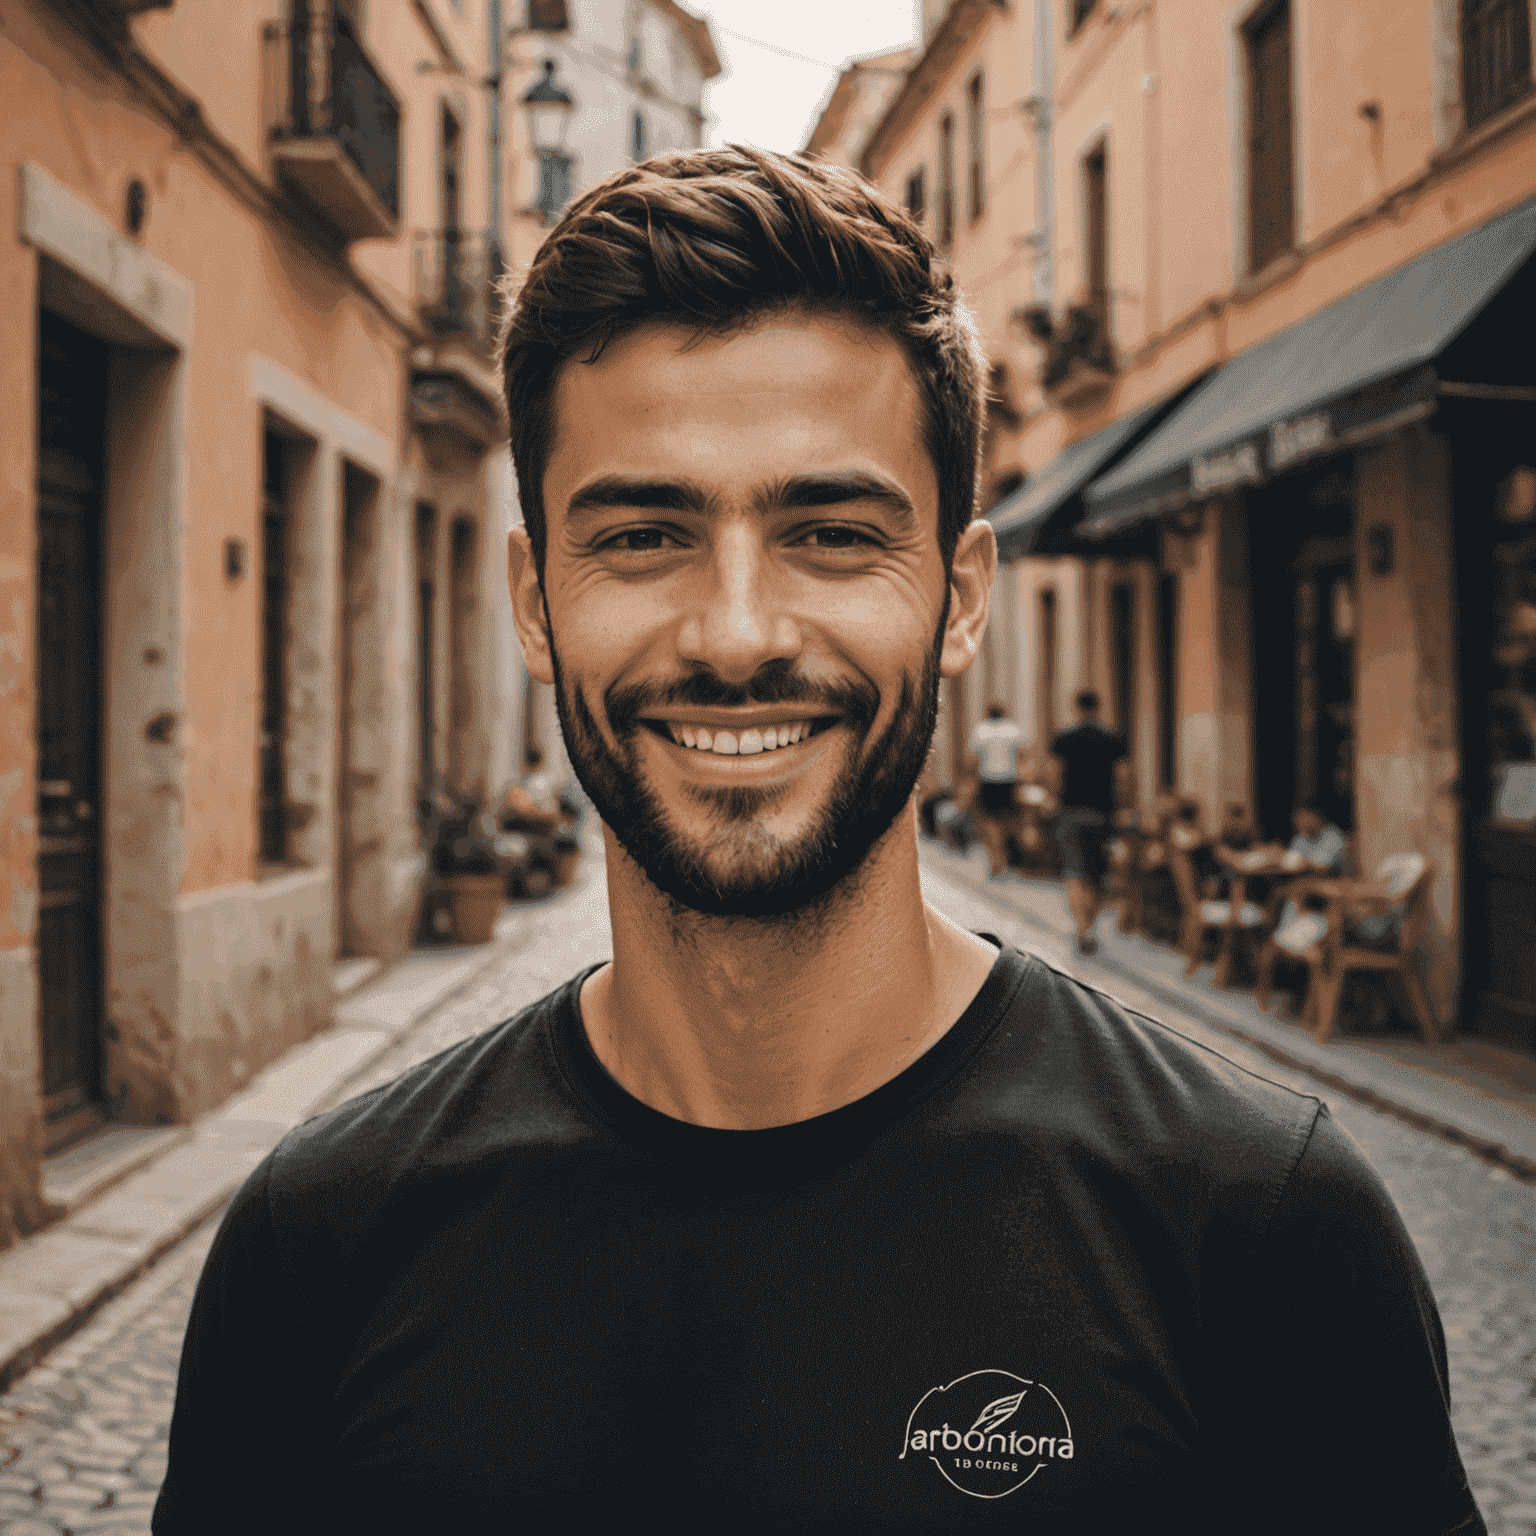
742,550
1309,824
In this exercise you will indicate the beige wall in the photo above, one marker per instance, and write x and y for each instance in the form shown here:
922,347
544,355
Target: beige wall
1407,755
228,313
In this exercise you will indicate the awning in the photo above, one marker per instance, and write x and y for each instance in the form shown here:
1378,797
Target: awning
1347,374
1019,517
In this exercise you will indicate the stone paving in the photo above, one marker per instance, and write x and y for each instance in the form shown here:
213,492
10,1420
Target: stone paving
81,1437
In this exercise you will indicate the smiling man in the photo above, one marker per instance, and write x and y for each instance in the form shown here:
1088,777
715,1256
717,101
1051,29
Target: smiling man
808,1212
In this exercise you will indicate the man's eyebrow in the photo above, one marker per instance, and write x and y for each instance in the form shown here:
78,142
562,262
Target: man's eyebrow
830,490
820,490
641,493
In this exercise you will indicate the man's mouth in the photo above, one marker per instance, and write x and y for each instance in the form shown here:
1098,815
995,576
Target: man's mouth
723,742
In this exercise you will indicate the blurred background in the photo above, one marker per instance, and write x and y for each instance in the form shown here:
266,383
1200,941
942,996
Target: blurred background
281,812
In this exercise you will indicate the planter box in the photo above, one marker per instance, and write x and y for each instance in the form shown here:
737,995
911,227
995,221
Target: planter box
475,902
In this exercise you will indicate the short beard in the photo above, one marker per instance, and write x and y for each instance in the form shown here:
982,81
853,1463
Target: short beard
783,879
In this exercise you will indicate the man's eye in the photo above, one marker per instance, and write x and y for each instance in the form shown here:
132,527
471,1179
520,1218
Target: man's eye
835,536
638,540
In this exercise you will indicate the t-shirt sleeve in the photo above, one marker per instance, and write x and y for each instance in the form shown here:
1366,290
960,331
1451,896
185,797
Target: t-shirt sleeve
248,1427
1331,1404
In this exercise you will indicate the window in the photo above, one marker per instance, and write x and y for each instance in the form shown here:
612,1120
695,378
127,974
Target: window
916,195
273,803
1078,11
1495,56
1122,646
637,137
426,612
554,183
1271,179
946,179
1047,676
975,130
547,16
1168,678
453,140
1096,233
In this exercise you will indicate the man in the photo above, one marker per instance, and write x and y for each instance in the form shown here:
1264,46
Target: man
1317,841
995,741
1091,771
809,1212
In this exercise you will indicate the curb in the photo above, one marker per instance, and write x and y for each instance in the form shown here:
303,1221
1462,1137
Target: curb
53,1284
1444,1107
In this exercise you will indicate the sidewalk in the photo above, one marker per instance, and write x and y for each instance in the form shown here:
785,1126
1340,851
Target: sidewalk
134,1193
1470,1089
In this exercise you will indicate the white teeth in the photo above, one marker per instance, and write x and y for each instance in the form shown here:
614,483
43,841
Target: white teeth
746,744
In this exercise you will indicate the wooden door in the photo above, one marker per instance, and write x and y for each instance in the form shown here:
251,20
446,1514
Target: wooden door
72,412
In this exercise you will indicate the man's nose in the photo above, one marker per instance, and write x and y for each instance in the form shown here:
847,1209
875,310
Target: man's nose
739,620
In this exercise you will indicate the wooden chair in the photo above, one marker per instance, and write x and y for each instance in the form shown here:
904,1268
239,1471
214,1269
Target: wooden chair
1332,943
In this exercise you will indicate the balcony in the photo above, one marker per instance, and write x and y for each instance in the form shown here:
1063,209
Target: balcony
455,402
453,277
333,124
1078,368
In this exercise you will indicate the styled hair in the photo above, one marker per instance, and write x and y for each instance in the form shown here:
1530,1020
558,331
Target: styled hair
1088,701
718,239
996,712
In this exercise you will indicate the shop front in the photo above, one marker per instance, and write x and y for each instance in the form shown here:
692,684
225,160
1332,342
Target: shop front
1337,488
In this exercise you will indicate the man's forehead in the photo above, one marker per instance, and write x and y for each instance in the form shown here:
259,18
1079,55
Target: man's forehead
794,385
778,345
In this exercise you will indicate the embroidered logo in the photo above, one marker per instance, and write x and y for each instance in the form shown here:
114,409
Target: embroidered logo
989,1432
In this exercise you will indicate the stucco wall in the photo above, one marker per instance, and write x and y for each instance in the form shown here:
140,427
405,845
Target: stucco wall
1406,734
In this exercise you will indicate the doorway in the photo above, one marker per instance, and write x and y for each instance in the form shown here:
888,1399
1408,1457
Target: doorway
357,701
1301,532
71,432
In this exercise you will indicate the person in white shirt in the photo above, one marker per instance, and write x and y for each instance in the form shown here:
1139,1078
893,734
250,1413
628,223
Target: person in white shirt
1318,841
996,742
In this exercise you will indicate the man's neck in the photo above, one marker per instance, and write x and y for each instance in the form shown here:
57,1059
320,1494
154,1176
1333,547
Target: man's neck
742,1025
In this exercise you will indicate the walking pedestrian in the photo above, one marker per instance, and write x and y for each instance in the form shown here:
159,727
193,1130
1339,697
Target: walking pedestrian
995,741
808,1211
1092,773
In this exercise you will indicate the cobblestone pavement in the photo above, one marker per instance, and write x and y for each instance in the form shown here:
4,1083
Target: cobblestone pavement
81,1437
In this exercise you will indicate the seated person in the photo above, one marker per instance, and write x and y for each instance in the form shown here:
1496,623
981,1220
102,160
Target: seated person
1237,834
1321,847
534,803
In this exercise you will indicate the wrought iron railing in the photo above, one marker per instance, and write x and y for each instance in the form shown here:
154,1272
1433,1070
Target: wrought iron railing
1495,56
318,82
453,282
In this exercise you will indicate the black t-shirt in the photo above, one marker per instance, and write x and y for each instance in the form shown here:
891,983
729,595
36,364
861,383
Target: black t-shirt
1068,1272
1090,752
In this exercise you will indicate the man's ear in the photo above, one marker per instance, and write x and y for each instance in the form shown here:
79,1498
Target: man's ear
529,612
970,596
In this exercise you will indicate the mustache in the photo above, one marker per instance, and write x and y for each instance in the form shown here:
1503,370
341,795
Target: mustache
627,705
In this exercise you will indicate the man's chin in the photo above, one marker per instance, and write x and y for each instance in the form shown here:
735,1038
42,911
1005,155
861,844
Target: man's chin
741,883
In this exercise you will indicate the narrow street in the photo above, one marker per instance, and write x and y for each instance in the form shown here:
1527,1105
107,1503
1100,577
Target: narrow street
82,1436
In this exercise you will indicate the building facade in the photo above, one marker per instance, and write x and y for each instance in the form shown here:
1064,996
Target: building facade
1272,407
252,518
633,72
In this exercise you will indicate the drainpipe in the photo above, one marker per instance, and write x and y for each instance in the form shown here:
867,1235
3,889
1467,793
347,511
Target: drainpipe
1040,105
493,8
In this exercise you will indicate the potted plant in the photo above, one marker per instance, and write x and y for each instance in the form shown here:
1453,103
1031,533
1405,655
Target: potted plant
465,861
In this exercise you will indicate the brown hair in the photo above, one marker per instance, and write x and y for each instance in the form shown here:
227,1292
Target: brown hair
716,239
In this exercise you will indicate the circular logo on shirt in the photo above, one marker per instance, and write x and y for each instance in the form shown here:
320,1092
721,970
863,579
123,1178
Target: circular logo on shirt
989,1432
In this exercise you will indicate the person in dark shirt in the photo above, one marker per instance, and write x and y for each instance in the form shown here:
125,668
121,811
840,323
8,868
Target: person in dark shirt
1092,767
809,1211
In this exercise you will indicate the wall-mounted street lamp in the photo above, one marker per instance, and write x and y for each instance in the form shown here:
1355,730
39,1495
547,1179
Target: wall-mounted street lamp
549,107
